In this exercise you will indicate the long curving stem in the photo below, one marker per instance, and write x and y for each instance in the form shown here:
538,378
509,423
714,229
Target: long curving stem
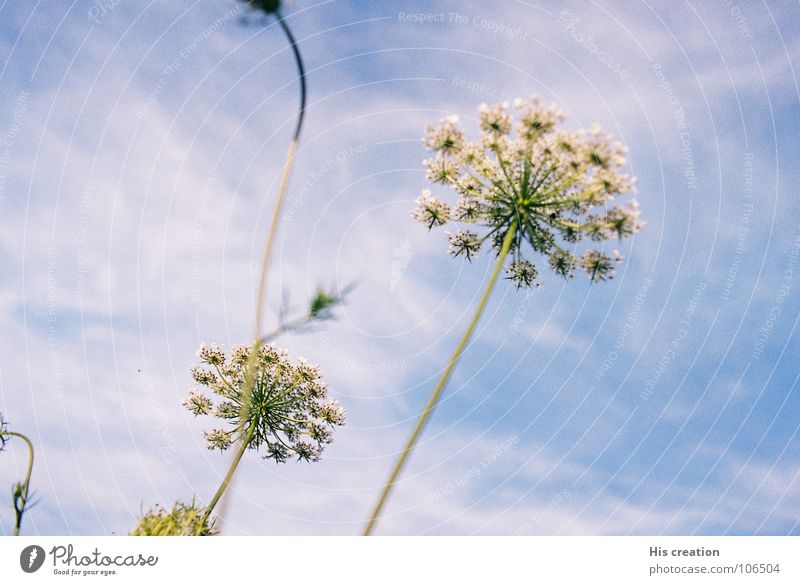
250,375
25,486
440,386
284,184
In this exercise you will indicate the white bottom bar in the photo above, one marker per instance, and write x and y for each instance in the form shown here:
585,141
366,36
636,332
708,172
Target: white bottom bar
406,560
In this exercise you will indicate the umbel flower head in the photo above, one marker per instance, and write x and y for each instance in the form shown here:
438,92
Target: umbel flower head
182,520
288,411
553,187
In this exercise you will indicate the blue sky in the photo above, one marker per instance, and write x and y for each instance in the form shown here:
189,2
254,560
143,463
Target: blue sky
140,149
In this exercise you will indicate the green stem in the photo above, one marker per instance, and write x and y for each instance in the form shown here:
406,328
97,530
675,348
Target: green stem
284,327
26,484
250,371
445,377
287,172
273,229
222,377
502,163
288,165
232,469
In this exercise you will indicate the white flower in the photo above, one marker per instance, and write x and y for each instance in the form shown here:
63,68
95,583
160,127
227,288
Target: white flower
523,274
445,138
495,120
288,409
218,439
211,354
430,210
442,170
307,451
600,266
562,263
204,377
553,187
468,208
198,404
464,242
332,413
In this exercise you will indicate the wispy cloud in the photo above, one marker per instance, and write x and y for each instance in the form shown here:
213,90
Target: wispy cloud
139,188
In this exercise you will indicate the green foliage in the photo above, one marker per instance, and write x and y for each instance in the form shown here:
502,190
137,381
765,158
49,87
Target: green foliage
182,520
320,304
323,302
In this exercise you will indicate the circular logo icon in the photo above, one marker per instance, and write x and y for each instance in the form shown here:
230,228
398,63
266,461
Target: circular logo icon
31,558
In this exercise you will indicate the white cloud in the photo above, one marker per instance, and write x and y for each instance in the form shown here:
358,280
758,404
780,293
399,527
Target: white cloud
159,227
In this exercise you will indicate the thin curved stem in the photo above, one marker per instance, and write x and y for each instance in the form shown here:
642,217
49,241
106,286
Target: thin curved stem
250,374
273,229
232,469
444,378
301,70
284,184
283,328
25,486
250,382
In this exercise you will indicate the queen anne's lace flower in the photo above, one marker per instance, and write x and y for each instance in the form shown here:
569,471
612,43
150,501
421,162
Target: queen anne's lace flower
553,187
288,412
